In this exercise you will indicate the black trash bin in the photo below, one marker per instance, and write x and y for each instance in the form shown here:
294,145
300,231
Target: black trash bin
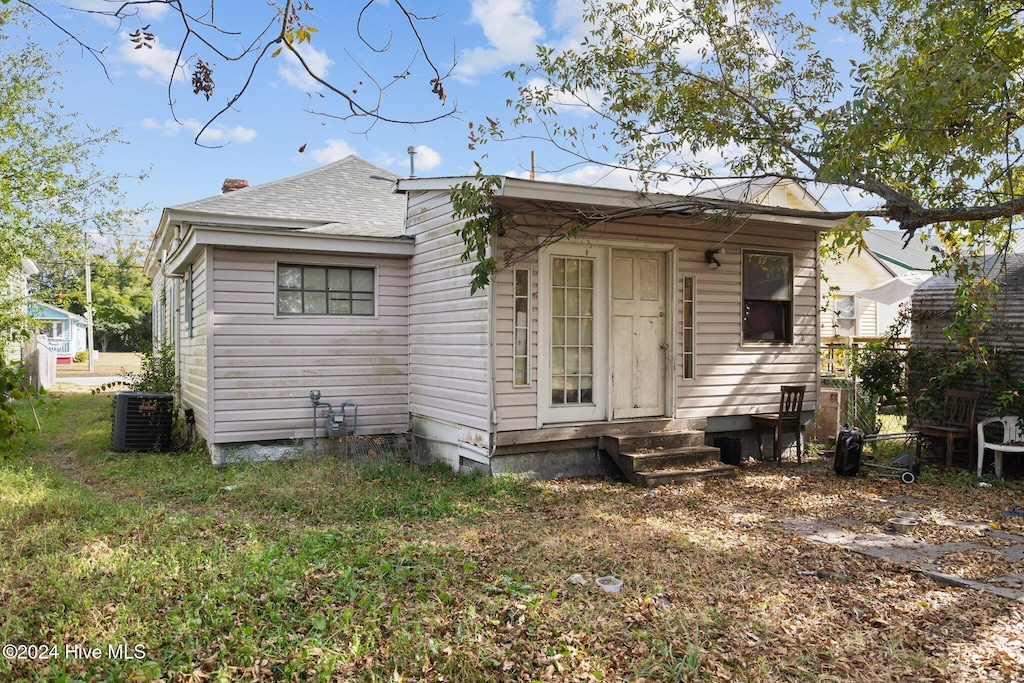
731,448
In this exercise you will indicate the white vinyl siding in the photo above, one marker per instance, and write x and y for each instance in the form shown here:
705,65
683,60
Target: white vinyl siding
516,405
731,378
449,368
189,300
264,365
847,277
192,352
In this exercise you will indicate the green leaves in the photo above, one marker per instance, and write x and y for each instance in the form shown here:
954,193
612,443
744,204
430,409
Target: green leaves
927,119
51,193
472,202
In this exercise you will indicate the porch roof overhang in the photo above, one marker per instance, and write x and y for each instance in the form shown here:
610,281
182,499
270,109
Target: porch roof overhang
613,203
199,230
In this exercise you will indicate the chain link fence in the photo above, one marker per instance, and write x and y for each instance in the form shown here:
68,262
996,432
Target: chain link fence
857,408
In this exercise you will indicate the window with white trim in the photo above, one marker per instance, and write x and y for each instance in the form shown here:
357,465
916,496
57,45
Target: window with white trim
689,356
323,290
521,329
767,297
845,315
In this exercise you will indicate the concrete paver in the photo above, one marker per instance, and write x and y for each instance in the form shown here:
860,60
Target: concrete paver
917,554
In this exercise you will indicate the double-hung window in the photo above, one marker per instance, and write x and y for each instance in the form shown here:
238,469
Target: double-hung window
322,290
767,297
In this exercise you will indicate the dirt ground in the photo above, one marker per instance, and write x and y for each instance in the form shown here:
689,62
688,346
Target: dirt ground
107,364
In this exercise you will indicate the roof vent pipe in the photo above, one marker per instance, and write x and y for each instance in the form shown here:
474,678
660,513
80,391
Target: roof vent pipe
412,161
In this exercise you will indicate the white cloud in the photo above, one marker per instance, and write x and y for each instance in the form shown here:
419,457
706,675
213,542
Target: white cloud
153,63
838,198
512,33
591,175
295,75
580,104
568,19
215,134
426,158
334,150
385,160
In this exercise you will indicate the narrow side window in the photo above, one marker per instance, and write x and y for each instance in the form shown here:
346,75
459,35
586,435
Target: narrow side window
521,329
688,328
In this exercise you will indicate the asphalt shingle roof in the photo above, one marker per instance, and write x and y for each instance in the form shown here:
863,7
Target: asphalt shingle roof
348,197
1010,280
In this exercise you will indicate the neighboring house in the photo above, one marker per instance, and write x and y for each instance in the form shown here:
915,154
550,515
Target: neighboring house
844,314
661,316
14,301
64,332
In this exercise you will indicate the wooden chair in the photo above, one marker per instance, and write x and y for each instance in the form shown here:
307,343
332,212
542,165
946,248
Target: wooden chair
958,411
1011,441
791,405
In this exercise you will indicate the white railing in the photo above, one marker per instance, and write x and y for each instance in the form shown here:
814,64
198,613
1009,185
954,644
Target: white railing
58,346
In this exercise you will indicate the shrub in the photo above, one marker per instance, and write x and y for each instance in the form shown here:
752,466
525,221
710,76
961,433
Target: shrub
155,375
81,356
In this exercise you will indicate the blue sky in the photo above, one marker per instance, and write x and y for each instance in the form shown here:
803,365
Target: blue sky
262,134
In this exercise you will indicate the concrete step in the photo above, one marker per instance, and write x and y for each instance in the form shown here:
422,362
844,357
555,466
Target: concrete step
682,476
665,457
684,457
650,441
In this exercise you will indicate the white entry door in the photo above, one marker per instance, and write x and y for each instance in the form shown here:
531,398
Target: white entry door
638,334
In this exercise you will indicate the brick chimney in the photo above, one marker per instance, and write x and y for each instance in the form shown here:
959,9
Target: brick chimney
232,184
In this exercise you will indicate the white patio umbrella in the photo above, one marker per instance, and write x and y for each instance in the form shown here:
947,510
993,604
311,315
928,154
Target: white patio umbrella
896,289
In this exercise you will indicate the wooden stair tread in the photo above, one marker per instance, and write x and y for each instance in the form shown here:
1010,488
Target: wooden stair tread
656,458
680,450
677,476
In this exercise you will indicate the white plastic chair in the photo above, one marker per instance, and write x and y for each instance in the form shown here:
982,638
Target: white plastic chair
1012,440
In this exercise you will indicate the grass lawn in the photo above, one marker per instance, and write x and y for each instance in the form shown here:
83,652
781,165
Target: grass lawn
316,570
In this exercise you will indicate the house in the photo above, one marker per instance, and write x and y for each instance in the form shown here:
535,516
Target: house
347,280
14,302
247,288
886,255
64,332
